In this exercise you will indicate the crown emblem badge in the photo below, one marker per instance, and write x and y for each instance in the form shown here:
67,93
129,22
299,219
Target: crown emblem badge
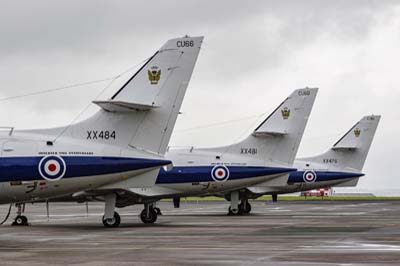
154,74
285,113
357,132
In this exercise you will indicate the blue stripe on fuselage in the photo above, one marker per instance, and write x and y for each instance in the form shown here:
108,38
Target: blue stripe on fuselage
297,177
26,168
192,174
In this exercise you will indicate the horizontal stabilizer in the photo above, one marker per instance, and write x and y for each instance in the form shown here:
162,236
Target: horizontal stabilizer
121,106
269,134
344,148
348,142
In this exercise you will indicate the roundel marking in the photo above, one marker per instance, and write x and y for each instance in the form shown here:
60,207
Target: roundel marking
220,173
309,176
52,168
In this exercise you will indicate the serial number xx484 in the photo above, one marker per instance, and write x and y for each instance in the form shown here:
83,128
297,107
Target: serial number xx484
103,134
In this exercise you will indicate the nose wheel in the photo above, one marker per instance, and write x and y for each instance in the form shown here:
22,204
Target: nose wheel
20,220
112,222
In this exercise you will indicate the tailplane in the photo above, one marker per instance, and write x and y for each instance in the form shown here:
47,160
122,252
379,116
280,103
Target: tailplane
278,137
351,150
142,114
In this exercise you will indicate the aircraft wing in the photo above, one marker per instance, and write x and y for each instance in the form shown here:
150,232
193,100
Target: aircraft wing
146,179
155,191
270,185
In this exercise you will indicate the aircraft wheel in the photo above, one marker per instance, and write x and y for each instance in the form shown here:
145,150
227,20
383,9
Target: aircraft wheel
245,207
20,220
113,222
234,211
157,210
150,218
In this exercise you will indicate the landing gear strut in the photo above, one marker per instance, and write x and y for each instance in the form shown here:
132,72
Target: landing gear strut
149,214
111,218
177,202
20,220
234,208
112,222
156,209
243,208
274,198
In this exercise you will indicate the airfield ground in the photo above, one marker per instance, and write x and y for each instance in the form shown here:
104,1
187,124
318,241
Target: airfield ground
199,233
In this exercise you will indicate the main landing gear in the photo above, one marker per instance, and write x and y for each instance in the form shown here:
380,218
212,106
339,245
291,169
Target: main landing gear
111,218
20,220
243,208
274,198
115,221
238,209
149,214
157,210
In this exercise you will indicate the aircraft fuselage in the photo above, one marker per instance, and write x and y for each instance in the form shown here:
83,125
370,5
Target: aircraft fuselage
32,169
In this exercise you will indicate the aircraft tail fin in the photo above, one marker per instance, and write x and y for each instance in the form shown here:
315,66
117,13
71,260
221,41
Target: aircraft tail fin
143,112
278,137
351,150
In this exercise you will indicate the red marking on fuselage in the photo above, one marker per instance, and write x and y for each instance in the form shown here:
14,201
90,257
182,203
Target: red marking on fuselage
52,167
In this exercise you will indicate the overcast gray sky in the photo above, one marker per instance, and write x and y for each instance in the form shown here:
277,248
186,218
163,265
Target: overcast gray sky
254,54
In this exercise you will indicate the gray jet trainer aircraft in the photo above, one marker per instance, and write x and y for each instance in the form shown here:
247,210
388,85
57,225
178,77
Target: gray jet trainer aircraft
119,148
341,166
137,122
266,156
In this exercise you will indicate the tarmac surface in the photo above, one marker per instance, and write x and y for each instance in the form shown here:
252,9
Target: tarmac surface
285,233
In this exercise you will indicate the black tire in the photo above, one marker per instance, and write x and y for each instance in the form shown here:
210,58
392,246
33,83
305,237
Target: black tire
20,220
157,210
152,218
114,222
245,207
234,212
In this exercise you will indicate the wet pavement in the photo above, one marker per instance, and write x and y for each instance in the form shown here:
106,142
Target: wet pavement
285,233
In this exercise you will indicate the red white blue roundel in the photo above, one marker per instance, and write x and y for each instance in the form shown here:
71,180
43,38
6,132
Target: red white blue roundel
309,176
220,173
52,168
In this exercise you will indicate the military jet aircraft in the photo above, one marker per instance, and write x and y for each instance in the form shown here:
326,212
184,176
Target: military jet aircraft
120,147
266,156
340,166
